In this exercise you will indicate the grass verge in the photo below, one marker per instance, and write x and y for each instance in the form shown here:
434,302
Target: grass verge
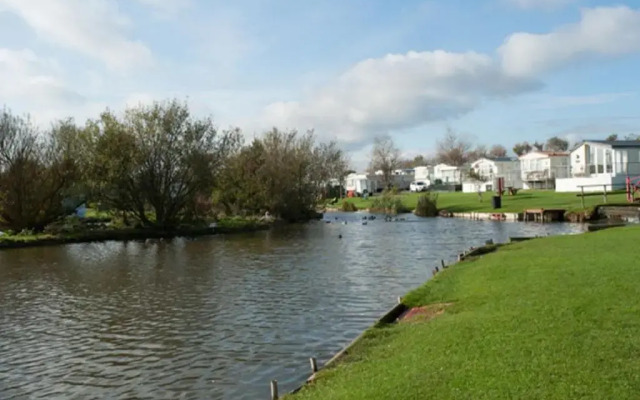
552,318
470,202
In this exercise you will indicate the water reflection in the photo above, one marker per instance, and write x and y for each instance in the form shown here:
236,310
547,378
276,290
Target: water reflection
214,317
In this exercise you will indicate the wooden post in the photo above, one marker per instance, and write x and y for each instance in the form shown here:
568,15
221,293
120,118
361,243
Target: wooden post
605,193
433,272
274,390
314,364
399,300
582,197
437,270
443,264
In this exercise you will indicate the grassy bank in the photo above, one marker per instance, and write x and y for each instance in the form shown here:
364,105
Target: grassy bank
552,318
468,202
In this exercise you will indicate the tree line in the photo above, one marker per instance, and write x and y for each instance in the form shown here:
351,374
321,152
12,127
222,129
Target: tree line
158,166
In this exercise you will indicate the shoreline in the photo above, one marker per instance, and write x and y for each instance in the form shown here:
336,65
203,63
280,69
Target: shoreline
396,313
329,373
125,235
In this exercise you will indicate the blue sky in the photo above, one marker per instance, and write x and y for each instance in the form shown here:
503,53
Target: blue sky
497,71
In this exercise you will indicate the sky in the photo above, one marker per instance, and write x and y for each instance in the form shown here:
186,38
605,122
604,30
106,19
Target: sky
495,71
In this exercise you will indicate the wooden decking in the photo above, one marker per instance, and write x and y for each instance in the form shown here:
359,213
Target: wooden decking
544,215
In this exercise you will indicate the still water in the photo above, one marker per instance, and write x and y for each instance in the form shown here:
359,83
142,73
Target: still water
214,317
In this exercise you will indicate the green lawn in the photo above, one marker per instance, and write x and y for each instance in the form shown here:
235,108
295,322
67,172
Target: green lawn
467,202
552,318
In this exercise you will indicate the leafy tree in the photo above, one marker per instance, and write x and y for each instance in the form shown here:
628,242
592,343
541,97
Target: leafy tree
556,144
538,146
612,138
157,158
284,173
384,157
453,149
37,173
522,148
498,151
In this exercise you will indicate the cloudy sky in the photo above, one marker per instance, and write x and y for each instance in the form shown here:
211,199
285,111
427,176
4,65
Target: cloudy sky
498,71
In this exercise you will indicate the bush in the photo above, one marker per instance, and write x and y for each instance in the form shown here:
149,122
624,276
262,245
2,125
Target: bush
348,206
388,203
427,205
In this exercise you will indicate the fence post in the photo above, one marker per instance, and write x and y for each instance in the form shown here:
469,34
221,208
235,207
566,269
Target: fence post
605,193
314,365
582,197
274,390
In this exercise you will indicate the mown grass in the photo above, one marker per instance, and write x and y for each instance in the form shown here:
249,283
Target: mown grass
552,318
468,202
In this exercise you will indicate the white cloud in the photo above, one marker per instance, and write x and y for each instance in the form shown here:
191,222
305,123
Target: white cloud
92,27
35,86
399,91
26,77
543,4
166,7
601,31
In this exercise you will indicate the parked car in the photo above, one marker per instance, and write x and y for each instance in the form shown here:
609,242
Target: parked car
418,186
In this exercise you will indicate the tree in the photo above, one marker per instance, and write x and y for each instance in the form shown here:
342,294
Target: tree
384,157
632,136
538,146
37,173
556,144
522,148
284,173
478,152
498,151
157,159
453,149
612,138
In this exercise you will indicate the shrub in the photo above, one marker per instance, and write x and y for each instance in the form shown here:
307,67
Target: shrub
427,205
348,206
388,203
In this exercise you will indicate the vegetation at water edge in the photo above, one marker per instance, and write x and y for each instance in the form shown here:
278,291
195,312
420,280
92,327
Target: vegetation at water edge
157,167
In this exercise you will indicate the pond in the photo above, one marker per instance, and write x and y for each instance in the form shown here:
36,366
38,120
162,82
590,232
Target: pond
213,317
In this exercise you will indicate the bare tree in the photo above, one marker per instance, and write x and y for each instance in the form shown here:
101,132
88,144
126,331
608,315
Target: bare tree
478,152
632,136
556,144
538,146
498,151
453,149
385,157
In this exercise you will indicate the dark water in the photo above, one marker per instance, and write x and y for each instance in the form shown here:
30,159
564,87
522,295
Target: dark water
216,317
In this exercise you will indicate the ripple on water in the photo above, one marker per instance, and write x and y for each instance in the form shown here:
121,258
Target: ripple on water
210,318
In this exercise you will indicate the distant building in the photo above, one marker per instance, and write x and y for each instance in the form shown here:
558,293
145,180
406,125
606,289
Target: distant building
598,165
448,174
358,184
540,169
423,173
490,169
